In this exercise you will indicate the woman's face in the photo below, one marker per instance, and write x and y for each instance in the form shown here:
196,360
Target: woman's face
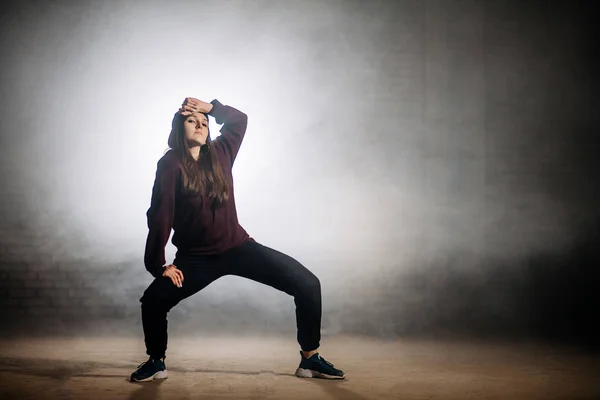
195,128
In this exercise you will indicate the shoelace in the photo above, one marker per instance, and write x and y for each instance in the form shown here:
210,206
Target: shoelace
326,362
144,363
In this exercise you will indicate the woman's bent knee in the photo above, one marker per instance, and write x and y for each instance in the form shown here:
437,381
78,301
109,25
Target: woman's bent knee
155,295
310,285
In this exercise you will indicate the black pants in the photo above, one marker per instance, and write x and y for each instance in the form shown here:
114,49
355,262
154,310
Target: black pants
250,260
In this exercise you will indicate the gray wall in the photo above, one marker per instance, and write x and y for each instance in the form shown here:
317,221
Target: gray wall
433,162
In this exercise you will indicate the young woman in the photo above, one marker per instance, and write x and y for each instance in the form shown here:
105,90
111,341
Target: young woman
193,195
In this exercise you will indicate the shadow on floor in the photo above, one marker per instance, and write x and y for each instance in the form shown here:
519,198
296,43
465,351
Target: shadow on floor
335,389
63,370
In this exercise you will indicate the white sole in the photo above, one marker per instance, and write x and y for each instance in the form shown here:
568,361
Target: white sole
158,375
309,373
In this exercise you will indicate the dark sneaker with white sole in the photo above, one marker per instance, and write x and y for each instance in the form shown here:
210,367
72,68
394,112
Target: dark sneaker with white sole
149,370
318,367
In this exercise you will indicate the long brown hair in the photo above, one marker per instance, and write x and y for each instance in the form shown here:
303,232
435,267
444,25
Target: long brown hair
204,176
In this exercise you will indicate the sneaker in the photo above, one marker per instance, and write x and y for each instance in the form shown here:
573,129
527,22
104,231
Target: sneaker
318,367
148,370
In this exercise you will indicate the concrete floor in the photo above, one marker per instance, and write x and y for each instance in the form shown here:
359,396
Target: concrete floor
262,368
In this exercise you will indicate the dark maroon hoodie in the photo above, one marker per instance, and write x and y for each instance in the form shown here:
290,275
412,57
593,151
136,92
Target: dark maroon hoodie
198,227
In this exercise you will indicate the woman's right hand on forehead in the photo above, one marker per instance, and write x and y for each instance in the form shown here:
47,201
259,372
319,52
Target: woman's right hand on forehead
192,105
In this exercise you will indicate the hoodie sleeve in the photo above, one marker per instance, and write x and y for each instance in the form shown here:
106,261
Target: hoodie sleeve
160,215
233,129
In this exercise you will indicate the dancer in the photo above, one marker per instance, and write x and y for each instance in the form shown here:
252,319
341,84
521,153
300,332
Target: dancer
193,195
